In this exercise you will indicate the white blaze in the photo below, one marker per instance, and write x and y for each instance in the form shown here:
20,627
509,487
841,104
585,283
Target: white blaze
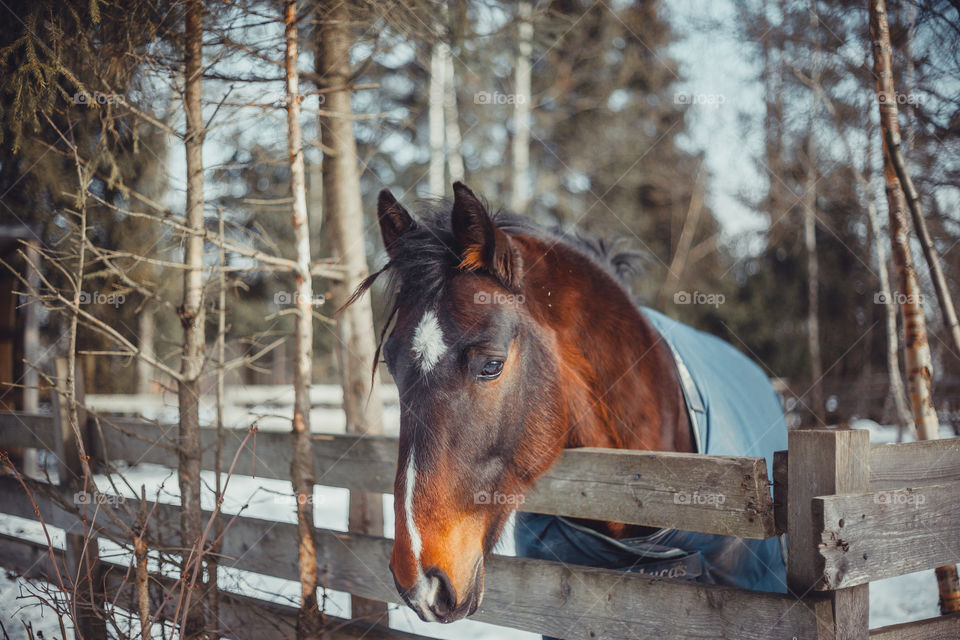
424,591
416,544
428,345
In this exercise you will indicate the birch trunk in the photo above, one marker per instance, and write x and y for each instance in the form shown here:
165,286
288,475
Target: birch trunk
919,364
147,331
890,312
520,196
452,116
344,215
438,67
192,315
301,469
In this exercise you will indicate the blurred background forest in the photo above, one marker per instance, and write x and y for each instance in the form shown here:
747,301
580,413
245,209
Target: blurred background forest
734,144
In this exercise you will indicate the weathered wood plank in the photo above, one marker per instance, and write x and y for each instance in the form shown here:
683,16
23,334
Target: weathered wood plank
895,466
713,494
576,602
867,536
825,461
941,628
19,429
545,597
726,495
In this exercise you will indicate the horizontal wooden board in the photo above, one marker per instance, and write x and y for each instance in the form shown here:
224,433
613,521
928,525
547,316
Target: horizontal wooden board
940,628
544,597
712,494
19,429
897,466
879,534
575,602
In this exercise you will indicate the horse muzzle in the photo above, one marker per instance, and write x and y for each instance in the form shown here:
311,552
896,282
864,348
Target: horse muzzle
434,598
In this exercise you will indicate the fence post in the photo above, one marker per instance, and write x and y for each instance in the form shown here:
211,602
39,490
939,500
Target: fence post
825,462
82,554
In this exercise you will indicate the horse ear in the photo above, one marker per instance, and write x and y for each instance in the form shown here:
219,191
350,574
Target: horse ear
395,221
482,245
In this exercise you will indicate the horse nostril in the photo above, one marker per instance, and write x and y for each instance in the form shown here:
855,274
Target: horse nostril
445,601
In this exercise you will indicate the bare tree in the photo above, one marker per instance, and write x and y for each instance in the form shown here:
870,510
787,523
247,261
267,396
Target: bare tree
439,56
344,214
919,363
192,316
301,467
930,254
520,196
452,115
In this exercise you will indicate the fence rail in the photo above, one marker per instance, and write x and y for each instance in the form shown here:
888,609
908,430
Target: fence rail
625,486
861,528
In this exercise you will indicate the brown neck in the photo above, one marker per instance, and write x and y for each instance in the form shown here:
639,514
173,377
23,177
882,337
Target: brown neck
620,381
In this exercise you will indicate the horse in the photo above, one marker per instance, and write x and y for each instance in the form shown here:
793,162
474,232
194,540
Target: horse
510,342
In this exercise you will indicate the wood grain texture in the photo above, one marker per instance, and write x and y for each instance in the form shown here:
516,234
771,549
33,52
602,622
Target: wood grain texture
940,628
825,462
895,466
712,494
544,597
878,534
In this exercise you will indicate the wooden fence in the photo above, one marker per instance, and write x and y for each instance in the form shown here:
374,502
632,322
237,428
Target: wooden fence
854,513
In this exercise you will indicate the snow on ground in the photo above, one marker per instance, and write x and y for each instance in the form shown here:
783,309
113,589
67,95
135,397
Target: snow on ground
902,599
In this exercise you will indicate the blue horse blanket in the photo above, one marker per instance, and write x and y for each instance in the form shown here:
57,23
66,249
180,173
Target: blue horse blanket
734,410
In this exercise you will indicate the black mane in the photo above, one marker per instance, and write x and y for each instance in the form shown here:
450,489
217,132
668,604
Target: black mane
427,257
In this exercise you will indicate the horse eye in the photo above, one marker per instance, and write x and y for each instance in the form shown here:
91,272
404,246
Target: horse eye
491,369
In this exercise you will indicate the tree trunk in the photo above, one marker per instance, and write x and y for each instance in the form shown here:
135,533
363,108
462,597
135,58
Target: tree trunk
810,240
146,335
773,125
192,316
520,195
344,215
301,470
438,67
919,364
897,390
452,115
890,312
930,254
